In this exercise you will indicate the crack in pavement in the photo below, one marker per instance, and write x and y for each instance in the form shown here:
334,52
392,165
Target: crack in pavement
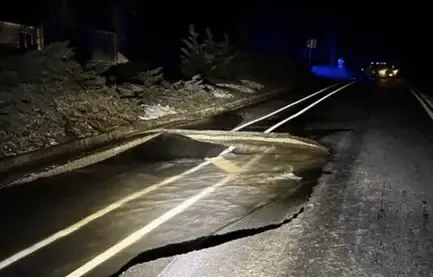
213,239
201,243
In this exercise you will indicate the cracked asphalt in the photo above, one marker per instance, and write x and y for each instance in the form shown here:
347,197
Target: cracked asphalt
365,210
85,222
369,215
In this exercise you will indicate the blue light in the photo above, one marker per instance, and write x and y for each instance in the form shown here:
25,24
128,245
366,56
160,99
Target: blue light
330,72
340,63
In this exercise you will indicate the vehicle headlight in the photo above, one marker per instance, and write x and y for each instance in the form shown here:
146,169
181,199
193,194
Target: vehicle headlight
382,72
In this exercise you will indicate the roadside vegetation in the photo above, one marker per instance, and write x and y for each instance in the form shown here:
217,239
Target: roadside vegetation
48,98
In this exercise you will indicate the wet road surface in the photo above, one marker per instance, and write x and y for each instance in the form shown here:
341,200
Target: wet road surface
369,215
56,226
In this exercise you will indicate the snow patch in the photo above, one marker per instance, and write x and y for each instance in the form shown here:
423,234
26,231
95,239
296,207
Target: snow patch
246,86
240,88
252,84
156,111
222,94
121,58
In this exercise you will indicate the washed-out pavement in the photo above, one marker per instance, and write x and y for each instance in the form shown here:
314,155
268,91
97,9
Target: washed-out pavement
369,215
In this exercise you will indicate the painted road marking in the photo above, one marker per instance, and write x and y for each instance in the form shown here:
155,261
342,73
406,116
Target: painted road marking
69,230
226,165
85,161
427,100
306,108
76,226
424,105
283,108
139,234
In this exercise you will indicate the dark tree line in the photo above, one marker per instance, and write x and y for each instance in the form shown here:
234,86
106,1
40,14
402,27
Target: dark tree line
101,14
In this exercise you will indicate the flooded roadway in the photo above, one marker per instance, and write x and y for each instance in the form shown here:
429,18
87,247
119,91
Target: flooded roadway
54,226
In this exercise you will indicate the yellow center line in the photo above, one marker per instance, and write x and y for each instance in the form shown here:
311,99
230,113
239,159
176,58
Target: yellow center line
139,234
98,214
226,165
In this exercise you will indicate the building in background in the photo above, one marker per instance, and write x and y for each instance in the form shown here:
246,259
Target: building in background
20,36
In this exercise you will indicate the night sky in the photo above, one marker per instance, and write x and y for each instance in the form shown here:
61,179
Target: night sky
363,32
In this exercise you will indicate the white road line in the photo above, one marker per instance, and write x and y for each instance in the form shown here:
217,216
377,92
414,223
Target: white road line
306,109
427,100
139,234
424,105
67,231
72,228
283,108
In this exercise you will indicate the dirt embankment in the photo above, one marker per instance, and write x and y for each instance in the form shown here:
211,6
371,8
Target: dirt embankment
47,97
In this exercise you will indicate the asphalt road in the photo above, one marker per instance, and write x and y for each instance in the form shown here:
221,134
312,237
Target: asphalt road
82,223
369,215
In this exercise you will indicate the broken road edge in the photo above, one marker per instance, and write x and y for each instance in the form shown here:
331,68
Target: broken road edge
14,167
123,138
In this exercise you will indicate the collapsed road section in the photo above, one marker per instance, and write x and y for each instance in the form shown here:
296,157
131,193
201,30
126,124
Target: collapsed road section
37,168
168,196
173,186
